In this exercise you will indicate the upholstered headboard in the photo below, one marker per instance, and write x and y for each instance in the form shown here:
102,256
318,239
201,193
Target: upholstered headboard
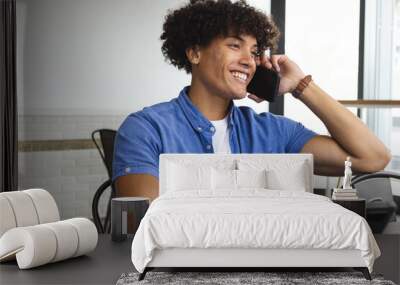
284,171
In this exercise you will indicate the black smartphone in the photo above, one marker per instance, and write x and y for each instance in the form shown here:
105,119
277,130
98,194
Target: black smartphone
265,84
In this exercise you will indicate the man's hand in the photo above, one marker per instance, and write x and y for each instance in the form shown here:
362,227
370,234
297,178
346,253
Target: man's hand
288,70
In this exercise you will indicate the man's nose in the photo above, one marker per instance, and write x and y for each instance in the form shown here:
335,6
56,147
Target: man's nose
247,59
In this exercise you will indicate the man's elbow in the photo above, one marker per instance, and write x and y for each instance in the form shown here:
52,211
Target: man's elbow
377,163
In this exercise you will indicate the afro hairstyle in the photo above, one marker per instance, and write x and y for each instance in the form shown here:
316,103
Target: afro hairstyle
201,21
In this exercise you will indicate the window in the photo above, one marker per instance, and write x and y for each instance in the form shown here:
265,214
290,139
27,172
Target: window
323,38
382,72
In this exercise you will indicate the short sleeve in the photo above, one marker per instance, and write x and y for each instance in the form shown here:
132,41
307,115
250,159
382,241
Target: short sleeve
297,136
136,148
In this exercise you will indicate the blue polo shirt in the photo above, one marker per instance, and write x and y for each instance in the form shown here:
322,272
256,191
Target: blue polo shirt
178,126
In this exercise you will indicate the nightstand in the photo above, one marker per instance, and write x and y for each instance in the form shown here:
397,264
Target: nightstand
358,206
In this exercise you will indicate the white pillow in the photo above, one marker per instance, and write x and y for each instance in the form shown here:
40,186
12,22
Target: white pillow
223,179
293,179
181,177
251,178
227,179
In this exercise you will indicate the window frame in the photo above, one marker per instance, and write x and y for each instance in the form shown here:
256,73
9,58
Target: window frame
278,12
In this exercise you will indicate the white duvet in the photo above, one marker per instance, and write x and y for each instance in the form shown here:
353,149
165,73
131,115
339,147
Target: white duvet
250,219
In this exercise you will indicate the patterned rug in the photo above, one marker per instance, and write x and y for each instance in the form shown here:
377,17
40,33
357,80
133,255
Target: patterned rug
243,278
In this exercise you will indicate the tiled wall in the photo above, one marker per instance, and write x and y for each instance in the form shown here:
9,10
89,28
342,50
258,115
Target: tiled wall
63,127
71,176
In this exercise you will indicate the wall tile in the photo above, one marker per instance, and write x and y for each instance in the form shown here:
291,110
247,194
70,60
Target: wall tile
71,176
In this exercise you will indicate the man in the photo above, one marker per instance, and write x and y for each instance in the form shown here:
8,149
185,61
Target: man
220,43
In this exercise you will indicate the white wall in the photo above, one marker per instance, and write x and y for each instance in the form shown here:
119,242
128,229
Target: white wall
94,56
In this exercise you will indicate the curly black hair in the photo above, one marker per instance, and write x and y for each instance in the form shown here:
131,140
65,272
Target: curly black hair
200,21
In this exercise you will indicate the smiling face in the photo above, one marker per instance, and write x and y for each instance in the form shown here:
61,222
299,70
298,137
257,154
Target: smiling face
225,67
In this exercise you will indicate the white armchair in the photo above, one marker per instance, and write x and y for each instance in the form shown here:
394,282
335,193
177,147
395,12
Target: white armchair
31,230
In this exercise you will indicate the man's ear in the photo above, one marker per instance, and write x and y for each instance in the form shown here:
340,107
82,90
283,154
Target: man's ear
260,57
193,54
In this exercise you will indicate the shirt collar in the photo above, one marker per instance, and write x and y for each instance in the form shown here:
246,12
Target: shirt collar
195,117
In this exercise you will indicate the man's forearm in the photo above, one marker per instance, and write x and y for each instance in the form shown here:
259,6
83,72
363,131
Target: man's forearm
345,128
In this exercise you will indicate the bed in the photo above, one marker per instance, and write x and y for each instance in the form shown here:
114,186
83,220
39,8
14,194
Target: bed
247,210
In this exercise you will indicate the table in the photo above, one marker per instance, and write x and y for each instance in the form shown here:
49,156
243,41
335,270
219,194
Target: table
104,265
358,206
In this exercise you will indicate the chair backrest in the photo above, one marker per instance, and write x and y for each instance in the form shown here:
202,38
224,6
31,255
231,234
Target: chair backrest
106,151
376,187
107,137
373,188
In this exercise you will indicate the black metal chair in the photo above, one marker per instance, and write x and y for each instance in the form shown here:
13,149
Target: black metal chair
381,203
106,151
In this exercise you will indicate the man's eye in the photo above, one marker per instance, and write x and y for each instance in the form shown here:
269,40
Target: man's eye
234,45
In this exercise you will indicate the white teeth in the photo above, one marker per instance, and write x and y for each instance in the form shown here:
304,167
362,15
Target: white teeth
239,75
